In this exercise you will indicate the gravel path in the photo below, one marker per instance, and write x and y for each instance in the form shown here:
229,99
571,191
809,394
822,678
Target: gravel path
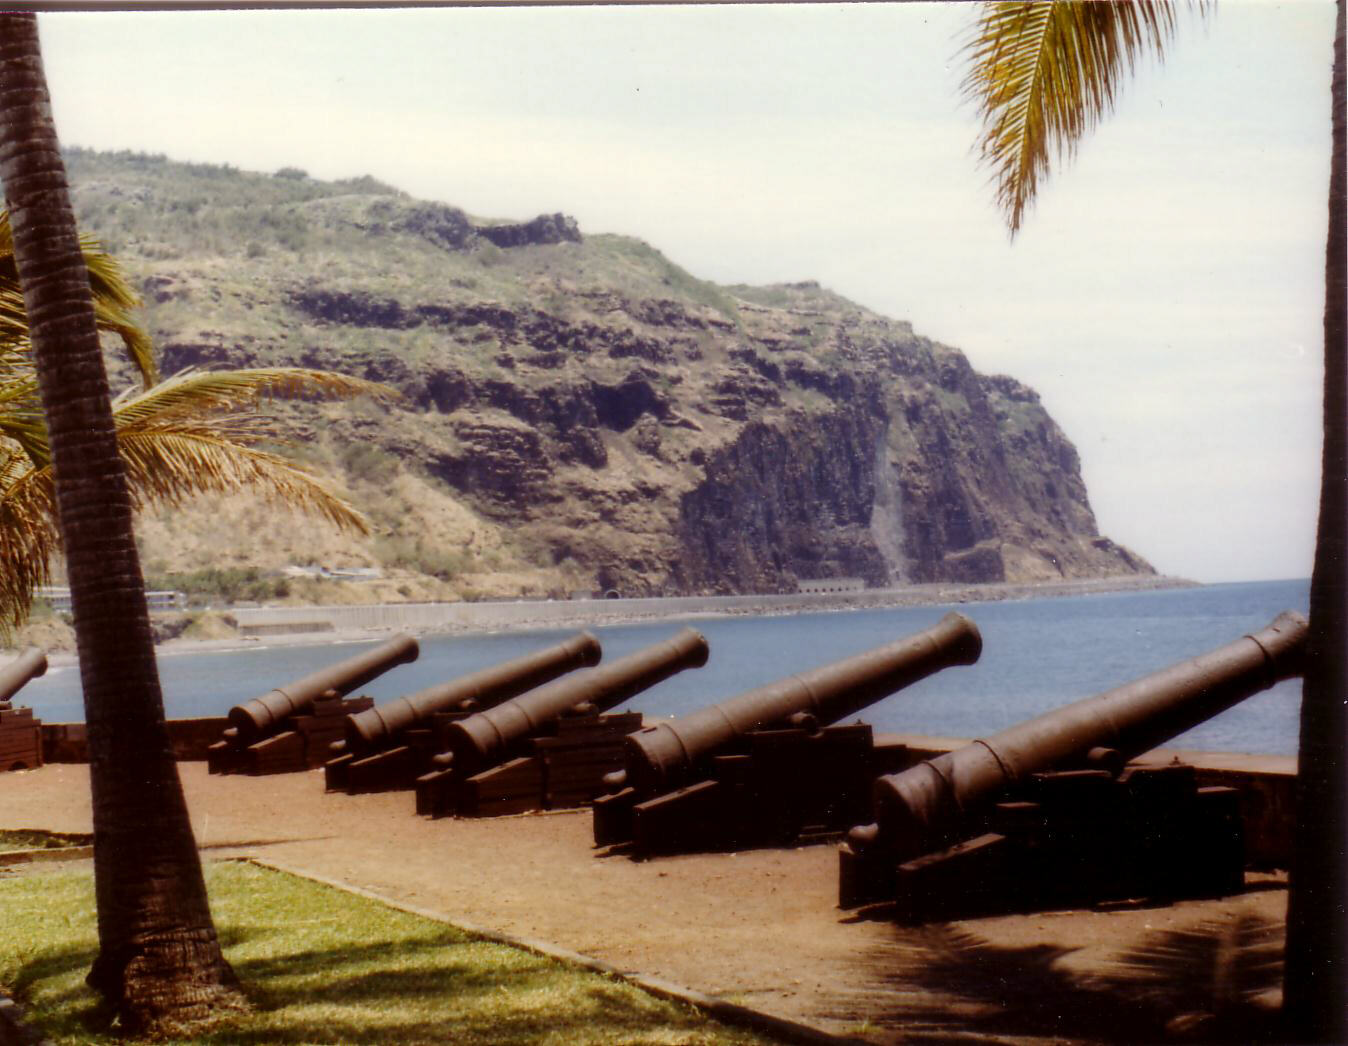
758,928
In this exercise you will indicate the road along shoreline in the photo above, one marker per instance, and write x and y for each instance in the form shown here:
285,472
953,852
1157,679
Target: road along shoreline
339,623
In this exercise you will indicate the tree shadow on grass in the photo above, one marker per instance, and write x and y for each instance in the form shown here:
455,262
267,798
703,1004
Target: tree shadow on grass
54,963
83,1005
433,987
1212,982
442,987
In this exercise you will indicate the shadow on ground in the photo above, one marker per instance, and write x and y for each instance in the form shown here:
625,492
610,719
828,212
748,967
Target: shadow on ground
1216,981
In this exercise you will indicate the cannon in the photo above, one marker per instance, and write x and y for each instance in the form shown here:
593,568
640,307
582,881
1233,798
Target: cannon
373,728
487,739
1062,776
776,779
480,740
661,756
20,733
21,671
257,717
389,746
293,727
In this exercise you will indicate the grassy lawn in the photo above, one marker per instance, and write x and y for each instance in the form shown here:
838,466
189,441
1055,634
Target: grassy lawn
322,966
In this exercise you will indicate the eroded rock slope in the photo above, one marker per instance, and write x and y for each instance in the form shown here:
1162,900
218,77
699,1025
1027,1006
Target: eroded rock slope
616,422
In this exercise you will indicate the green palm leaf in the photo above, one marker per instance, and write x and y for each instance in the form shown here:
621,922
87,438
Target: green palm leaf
1043,73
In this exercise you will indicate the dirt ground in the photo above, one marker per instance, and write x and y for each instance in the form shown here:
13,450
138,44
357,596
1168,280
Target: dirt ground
759,928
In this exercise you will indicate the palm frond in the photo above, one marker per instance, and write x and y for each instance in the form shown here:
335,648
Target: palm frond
194,433
170,456
168,465
194,393
28,431
28,537
114,301
1043,73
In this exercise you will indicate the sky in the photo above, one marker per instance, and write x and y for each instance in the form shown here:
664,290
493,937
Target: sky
1164,295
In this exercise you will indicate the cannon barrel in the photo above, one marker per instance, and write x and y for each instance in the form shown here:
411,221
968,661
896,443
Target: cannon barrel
916,809
252,718
368,730
19,672
659,756
483,739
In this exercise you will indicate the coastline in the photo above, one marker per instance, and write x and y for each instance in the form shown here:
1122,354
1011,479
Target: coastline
524,616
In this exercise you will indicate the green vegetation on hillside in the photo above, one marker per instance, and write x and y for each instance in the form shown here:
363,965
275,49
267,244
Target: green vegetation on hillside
222,585
214,208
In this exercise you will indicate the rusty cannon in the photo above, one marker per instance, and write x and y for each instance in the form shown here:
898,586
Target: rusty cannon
20,733
371,729
1051,811
292,727
513,756
20,672
390,745
762,767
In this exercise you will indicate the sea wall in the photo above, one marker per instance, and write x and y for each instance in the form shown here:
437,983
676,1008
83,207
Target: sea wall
69,742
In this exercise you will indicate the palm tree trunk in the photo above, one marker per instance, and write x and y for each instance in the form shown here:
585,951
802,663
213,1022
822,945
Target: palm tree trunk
159,960
1316,985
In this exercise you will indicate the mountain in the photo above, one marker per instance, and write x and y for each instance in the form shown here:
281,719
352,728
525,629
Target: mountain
578,412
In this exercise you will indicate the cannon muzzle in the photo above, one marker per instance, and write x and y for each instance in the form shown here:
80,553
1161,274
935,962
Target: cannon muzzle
659,757
483,739
22,670
918,809
253,718
371,729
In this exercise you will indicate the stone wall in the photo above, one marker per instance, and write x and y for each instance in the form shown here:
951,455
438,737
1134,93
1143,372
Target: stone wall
68,742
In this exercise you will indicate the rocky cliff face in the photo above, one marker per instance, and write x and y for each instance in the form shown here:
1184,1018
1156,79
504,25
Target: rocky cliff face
610,413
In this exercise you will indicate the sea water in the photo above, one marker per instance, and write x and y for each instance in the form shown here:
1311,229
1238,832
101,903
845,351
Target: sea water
1037,654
